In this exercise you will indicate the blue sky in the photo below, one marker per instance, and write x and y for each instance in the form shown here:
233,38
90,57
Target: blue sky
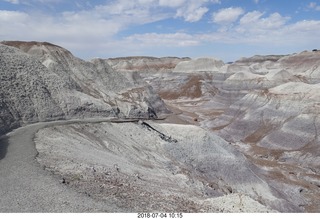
225,29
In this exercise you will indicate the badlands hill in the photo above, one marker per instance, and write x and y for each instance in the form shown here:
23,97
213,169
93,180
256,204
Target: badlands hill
43,82
243,137
267,107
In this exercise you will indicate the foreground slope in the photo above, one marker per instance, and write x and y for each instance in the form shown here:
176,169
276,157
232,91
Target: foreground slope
155,167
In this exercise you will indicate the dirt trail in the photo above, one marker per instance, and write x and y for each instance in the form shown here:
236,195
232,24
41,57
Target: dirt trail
25,187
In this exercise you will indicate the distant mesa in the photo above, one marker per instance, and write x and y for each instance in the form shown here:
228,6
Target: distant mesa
144,64
260,58
199,65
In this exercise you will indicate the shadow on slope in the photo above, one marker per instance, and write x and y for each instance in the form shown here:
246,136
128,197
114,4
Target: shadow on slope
4,142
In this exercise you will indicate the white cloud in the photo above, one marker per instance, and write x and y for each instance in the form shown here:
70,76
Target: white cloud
299,35
167,40
255,28
96,29
69,29
251,17
254,22
192,14
126,12
79,29
193,10
227,15
12,16
256,1
314,6
43,1
171,3
305,26
125,7
12,1
32,1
